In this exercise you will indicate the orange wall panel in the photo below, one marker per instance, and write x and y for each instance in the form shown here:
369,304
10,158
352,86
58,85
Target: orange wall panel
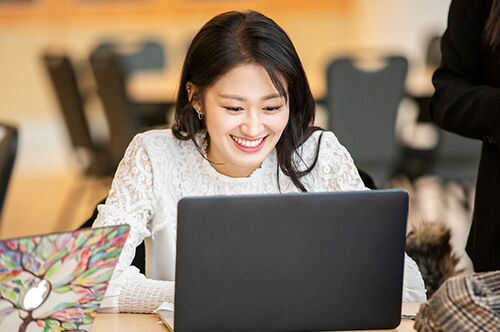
142,10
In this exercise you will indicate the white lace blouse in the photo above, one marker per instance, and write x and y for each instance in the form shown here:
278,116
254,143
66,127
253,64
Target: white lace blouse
158,170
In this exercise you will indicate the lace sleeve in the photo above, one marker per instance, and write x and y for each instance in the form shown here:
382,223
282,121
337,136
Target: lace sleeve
131,201
413,283
336,167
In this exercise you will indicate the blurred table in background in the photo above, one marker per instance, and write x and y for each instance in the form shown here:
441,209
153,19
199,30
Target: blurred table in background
419,88
155,86
419,82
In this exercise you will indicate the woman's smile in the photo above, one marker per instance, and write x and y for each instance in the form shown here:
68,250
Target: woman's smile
249,145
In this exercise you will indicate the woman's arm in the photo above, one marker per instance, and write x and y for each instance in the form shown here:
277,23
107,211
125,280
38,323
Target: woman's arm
132,201
463,103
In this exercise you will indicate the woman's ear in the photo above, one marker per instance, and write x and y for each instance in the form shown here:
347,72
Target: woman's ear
193,96
191,91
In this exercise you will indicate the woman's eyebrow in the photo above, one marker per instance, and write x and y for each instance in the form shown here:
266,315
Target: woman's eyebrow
240,98
272,96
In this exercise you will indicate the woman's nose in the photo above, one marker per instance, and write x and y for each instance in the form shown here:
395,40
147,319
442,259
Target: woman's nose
252,125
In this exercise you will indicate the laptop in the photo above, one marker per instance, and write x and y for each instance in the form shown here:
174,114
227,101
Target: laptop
290,262
56,282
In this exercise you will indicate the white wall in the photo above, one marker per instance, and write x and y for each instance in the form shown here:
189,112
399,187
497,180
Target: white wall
401,25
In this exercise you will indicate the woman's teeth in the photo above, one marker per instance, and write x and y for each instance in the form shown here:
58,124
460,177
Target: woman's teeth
247,144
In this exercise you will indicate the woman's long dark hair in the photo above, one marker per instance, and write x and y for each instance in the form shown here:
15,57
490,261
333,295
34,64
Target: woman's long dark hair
492,26
235,38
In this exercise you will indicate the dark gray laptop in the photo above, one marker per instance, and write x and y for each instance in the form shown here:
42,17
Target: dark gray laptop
291,262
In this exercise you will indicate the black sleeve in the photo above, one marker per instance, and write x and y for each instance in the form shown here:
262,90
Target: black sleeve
462,102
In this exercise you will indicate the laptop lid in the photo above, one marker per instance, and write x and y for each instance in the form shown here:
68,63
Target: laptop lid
56,282
290,262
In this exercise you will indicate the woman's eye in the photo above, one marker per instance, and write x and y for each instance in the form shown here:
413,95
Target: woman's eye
233,109
272,108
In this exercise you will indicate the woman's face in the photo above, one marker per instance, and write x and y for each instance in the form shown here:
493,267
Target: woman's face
245,117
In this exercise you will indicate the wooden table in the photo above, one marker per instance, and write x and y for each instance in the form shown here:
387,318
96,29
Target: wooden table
155,86
419,82
151,323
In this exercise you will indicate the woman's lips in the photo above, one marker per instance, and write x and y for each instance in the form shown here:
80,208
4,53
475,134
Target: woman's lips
247,145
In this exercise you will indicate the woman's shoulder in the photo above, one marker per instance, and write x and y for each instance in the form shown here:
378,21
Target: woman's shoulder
159,146
152,135
316,147
158,139
325,138
163,143
334,164
323,146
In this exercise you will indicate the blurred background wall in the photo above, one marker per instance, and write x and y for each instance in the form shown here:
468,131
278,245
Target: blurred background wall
320,30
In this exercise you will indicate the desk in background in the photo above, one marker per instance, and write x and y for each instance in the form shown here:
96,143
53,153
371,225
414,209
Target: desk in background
150,323
153,86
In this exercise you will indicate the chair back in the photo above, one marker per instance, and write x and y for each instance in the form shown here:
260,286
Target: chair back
150,56
457,157
362,106
8,151
147,55
433,52
64,82
123,122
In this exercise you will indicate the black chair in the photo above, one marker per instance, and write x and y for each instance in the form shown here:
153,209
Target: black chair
8,151
148,55
93,155
125,118
457,157
362,107
433,52
367,179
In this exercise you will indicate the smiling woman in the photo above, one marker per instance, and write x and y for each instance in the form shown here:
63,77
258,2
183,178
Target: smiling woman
251,58
243,125
245,117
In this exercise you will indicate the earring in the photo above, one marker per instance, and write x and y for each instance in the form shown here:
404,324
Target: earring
196,109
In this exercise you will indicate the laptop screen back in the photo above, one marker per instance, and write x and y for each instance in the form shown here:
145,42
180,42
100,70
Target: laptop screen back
292,262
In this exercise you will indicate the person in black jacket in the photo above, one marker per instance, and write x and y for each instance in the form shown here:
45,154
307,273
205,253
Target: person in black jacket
467,102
